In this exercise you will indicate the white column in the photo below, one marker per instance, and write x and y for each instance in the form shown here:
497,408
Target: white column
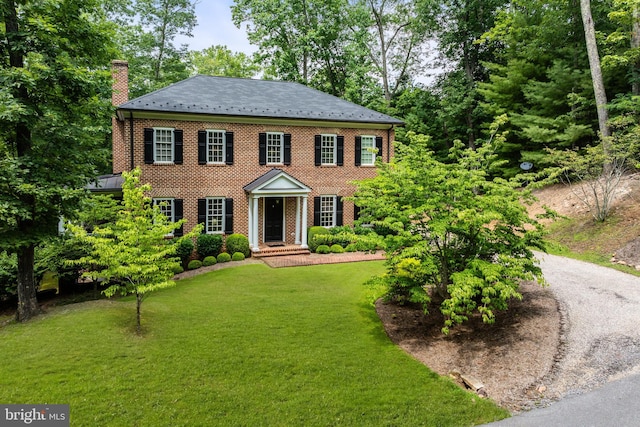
250,227
256,247
304,222
298,220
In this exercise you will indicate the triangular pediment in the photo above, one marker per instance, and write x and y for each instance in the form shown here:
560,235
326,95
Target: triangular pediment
277,182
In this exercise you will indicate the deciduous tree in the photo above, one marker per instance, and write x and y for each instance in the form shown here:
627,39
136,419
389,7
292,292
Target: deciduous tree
54,109
133,255
463,242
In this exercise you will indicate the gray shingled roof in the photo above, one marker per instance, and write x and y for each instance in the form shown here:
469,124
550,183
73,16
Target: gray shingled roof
263,179
253,98
107,183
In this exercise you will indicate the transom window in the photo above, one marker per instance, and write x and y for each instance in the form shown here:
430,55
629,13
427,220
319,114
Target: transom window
327,211
215,215
274,147
328,150
215,146
163,145
368,152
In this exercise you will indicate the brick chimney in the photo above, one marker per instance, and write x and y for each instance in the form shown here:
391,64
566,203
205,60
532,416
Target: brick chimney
121,157
120,71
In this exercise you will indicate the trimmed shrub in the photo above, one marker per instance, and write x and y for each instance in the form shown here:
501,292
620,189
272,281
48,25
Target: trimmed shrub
336,249
237,256
210,260
177,269
184,250
323,249
351,247
224,257
238,243
208,245
194,264
311,236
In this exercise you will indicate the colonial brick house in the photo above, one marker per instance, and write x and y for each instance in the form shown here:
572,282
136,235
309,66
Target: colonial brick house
263,158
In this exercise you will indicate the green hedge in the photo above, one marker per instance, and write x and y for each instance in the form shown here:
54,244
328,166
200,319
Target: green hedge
238,243
237,256
194,264
210,260
224,257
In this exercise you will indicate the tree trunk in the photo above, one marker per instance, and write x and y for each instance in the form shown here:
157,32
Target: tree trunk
596,72
27,301
635,44
138,305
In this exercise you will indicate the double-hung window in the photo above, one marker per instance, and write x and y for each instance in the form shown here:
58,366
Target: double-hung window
275,147
215,146
167,207
368,150
163,145
328,150
215,215
327,211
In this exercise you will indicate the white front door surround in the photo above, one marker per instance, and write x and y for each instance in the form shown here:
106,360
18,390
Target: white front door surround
277,184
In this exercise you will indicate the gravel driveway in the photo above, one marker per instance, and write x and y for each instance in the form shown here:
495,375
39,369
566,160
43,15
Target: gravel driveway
601,339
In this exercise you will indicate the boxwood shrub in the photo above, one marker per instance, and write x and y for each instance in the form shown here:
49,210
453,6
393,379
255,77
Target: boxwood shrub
194,264
237,256
208,245
238,243
323,249
224,257
210,260
312,234
336,249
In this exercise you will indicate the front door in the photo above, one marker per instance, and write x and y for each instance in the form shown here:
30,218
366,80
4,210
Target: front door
273,219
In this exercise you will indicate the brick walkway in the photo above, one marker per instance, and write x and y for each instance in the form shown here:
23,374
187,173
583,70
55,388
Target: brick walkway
289,261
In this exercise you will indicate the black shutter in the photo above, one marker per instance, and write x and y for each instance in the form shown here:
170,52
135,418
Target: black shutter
262,148
148,146
202,147
287,149
177,146
356,212
318,147
202,213
379,145
229,148
339,211
358,150
316,211
340,150
228,216
177,216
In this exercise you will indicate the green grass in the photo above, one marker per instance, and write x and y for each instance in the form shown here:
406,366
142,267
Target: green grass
243,346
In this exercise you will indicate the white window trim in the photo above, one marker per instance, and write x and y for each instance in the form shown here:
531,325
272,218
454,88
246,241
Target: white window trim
364,149
224,146
173,146
222,222
333,213
281,160
335,149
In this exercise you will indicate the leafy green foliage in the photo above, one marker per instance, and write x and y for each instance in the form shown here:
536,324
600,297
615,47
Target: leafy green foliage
208,245
323,249
194,264
336,249
184,249
210,260
463,241
311,236
132,255
224,257
237,243
237,256
221,61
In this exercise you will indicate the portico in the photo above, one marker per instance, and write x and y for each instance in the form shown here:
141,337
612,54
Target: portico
270,200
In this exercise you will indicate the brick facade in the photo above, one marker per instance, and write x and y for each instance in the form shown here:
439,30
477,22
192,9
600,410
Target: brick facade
191,181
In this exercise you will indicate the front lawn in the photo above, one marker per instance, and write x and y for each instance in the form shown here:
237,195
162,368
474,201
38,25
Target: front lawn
247,346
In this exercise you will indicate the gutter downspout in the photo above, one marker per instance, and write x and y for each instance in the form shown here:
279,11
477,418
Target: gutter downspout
132,163
389,144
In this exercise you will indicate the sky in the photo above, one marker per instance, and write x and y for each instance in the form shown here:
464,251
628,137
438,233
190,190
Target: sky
216,27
